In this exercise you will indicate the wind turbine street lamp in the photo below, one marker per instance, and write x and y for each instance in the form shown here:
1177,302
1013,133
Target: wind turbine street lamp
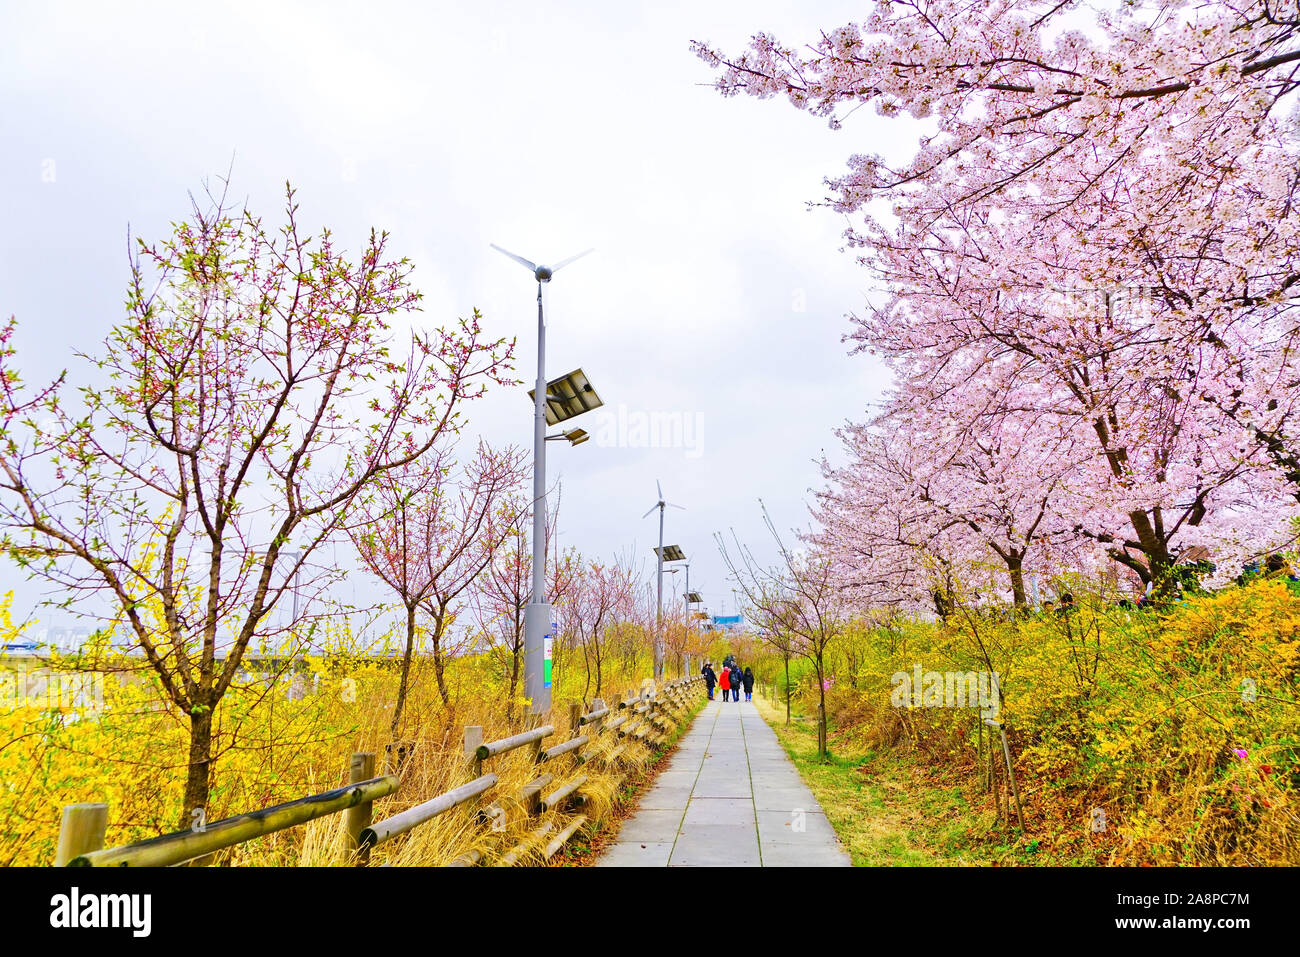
547,409
690,596
673,554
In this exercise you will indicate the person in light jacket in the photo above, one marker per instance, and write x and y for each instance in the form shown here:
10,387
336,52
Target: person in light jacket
724,682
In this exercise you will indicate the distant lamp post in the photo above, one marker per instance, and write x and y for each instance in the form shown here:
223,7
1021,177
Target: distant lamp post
671,553
553,402
692,598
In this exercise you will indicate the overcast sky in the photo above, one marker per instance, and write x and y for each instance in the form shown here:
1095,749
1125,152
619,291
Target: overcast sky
714,292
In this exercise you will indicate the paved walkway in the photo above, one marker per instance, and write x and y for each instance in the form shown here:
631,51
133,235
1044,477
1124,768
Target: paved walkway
729,798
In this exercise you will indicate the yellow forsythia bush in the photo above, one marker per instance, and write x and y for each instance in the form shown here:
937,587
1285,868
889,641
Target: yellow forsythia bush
1180,729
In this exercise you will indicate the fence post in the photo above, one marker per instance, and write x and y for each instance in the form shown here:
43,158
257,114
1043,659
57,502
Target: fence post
82,831
473,738
575,712
358,818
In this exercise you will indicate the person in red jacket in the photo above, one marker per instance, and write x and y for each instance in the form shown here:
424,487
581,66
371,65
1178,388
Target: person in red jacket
724,682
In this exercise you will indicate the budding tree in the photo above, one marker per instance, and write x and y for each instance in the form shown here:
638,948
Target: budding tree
427,530
502,593
798,599
252,396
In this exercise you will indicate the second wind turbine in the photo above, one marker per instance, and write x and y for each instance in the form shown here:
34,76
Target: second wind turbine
675,555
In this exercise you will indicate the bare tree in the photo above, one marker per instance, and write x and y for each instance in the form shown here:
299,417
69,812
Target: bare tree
796,603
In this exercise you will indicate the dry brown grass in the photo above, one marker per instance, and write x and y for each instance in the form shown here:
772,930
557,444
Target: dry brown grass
435,764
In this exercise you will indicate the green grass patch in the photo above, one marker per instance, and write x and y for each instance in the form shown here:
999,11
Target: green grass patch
881,806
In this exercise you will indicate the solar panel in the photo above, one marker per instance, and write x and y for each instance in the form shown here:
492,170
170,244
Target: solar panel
568,396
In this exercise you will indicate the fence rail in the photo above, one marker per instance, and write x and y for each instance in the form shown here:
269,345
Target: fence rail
657,713
187,845
412,817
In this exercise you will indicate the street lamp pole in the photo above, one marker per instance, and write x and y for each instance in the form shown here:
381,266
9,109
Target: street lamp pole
538,628
675,556
673,571
659,614
686,595
537,616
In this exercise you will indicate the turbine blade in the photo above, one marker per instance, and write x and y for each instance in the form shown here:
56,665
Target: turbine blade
671,505
564,262
660,488
652,508
519,259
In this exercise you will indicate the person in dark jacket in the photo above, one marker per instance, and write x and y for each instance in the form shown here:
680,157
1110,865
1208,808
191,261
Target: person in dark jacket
737,679
710,679
748,680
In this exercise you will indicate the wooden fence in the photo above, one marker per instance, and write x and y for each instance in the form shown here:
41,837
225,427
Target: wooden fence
649,717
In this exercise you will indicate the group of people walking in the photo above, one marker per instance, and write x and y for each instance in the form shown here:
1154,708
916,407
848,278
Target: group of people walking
730,679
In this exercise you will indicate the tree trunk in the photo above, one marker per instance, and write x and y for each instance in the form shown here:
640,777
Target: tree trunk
942,606
197,779
514,679
439,614
586,664
821,708
1017,572
439,672
406,670
787,691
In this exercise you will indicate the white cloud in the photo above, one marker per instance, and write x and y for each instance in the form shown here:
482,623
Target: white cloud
545,129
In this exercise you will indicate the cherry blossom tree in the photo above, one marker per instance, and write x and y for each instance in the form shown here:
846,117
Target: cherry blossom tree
1098,226
965,494
253,394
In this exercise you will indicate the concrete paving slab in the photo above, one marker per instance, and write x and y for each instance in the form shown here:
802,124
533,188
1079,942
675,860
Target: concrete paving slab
775,776
805,855
722,786
723,811
660,798
630,854
674,777
707,841
652,825
781,827
724,771
785,799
